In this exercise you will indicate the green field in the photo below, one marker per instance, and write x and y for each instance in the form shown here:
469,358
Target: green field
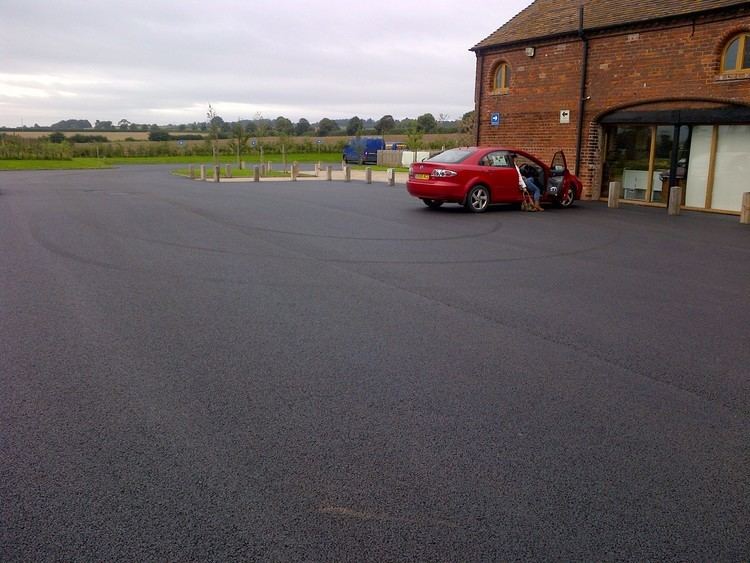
84,163
74,164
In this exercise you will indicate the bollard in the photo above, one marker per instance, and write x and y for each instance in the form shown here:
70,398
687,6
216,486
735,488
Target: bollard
242,164
368,175
256,173
675,199
191,172
269,167
745,211
262,169
317,169
228,169
347,173
203,172
391,175
217,173
295,171
329,173
613,201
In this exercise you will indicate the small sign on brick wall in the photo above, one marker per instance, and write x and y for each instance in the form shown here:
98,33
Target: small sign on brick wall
564,116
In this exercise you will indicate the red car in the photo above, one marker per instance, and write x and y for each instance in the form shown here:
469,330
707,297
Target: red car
477,177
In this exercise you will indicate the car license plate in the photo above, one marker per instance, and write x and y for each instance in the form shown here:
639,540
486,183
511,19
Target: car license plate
422,176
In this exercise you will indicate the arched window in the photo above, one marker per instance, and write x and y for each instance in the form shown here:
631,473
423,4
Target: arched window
737,54
502,78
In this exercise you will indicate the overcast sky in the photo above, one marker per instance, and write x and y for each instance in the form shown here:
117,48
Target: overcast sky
164,61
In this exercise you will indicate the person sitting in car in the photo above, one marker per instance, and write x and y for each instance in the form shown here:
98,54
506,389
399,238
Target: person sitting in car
525,175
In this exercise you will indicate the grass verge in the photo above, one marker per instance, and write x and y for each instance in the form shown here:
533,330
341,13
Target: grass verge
75,164
87,163
327,158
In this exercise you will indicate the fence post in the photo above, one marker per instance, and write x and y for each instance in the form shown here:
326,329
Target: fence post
613,201
317,169
203,172
745,212
391,175
347,173
217,173
329,173
228,169
675,199
295,170
368,175
256,173
191,171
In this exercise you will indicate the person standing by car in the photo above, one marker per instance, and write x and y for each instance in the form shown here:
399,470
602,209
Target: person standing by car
530,183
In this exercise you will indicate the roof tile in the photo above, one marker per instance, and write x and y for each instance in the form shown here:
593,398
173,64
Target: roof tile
555,17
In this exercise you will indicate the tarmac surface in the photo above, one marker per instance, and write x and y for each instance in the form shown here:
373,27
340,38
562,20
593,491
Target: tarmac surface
329,371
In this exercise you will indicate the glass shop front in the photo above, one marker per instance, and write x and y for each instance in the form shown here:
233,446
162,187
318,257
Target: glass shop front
706,152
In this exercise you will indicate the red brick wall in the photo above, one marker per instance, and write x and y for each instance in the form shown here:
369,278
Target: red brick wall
669,66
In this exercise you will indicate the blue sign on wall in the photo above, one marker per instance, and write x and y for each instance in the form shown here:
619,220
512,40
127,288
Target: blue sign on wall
495,119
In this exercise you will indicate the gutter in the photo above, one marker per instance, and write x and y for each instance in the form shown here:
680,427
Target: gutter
582,91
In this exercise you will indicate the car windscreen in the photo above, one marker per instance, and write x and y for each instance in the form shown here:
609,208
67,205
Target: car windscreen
451,156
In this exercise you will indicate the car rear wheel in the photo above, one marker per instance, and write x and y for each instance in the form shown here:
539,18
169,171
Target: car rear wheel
432,203
478,199
568,199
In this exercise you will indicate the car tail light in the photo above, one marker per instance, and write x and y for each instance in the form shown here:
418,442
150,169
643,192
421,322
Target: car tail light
443,173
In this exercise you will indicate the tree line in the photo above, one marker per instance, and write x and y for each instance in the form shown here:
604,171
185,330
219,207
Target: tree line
280,126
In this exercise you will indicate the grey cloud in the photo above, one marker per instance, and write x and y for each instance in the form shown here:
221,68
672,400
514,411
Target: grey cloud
301,59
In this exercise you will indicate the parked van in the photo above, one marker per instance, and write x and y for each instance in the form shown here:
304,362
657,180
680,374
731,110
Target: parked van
363,151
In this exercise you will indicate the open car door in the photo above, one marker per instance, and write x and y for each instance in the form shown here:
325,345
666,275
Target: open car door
556,179
559,165
560,185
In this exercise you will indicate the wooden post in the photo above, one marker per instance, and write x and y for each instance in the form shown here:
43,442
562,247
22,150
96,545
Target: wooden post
613,202
217,173
368,175
191,171
228,169
347,173
391,175
295,170
256,173
745,210
329,172
262,169
203,172
675,199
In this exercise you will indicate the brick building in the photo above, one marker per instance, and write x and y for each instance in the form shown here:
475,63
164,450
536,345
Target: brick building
646,93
